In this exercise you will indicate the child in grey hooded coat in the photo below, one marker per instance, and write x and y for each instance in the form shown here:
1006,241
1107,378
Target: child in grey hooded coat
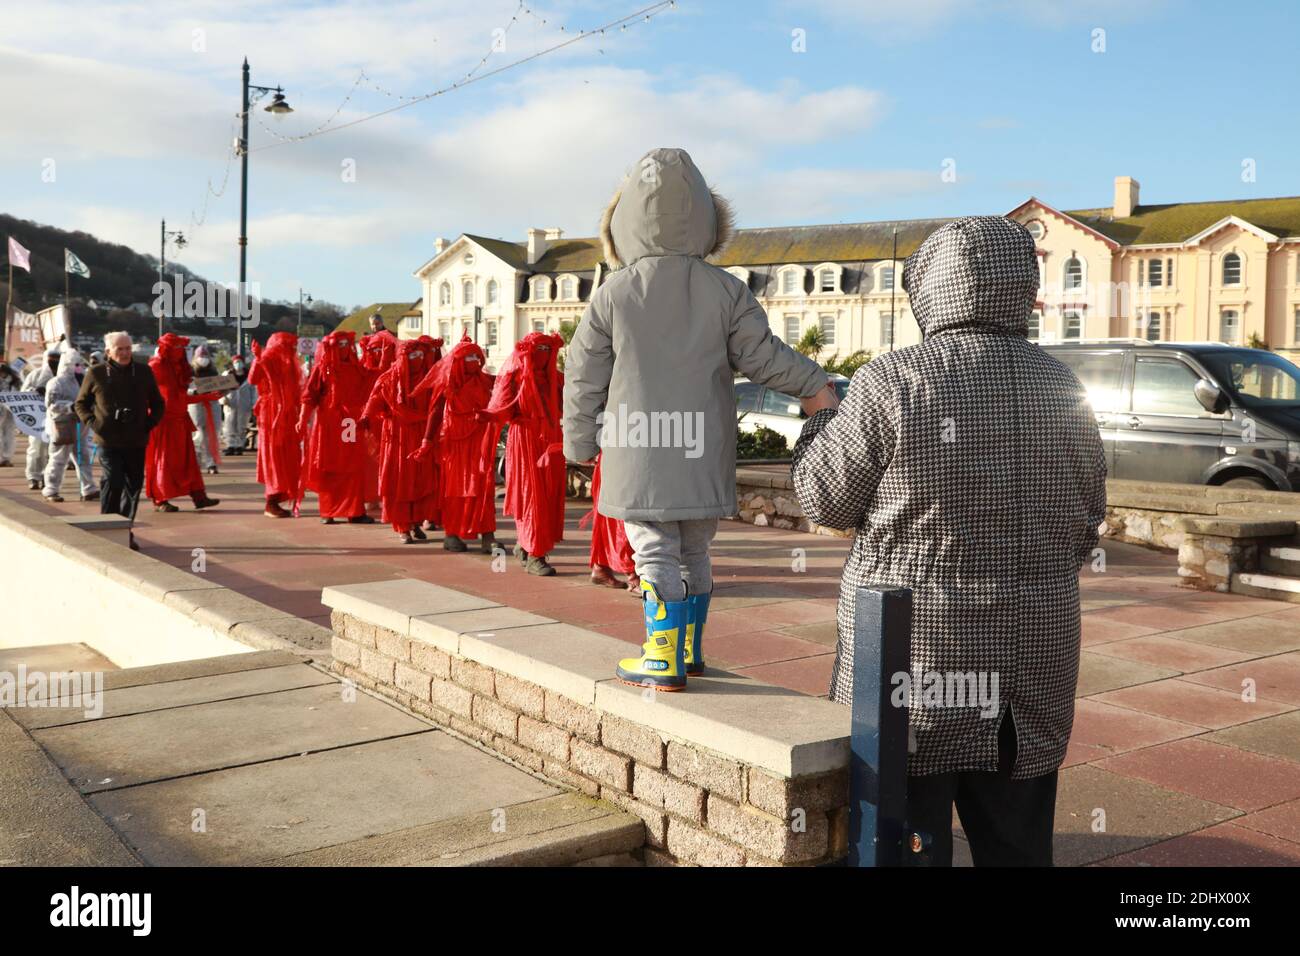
649,373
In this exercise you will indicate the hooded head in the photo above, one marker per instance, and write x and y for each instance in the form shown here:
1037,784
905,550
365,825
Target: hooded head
52,360
378,350
664,208
171,354
978,271
71,364
338,348
202,359
414,359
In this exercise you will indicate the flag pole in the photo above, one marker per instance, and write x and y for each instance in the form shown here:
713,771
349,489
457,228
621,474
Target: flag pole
9,301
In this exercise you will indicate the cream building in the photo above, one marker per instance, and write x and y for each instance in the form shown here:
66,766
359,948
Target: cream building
1201,271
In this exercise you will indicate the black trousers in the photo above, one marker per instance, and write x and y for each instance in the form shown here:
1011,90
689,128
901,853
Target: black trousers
1007,822
123,480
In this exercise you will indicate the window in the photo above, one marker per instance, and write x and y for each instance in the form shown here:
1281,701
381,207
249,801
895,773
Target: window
1229,326
1164,387
1071,325
491,333
467,292
747,395
1035,326
1169,272
886,278
1073,277
1153,327
1099,373
1232,269
779,403
567,293
444,294
1036,229
541,290
886,328
444,331
493,292
1258,379
539,325
1155,273
411,321
792,330
788,279
826,280
827,325
1295,328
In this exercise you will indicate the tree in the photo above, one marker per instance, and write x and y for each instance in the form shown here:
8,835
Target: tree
812,343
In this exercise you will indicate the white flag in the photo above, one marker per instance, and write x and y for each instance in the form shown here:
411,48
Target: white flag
74,265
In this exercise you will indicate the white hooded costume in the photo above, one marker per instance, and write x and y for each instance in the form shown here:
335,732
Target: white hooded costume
60,393
236,407
37,377
199,412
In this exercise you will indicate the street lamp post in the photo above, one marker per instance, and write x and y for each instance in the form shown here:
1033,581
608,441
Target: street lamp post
298,331
179,238
278,108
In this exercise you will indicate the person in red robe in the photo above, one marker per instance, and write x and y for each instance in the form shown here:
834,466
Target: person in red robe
461,436
335,462
408,485
378,352
171,468
611,553
277,376
527,396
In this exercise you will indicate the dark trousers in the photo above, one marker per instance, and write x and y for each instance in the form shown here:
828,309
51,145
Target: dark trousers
123,480
1007,822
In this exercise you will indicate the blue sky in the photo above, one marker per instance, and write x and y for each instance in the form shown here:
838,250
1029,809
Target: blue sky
132,107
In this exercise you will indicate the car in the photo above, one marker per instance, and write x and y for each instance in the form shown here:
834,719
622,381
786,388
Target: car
758,405
1202,413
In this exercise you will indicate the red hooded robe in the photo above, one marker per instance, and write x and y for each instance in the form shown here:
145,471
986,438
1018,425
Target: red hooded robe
171,468
609,544
335,463
378,352
277,376
528,397
408,488
463,438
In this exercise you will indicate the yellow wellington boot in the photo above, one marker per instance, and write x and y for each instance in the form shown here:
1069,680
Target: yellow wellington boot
660,665
697,612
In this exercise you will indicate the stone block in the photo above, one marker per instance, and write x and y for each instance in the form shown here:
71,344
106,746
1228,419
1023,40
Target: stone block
545,738
495,716
572,716
601,765
642,743
713,773
520,695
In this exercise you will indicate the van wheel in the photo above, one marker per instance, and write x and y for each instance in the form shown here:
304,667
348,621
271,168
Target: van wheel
1259,484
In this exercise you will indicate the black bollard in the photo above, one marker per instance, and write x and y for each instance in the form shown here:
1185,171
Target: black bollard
878,834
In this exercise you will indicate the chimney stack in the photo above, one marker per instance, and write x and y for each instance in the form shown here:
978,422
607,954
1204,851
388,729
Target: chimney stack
538,243
1126,196
439,245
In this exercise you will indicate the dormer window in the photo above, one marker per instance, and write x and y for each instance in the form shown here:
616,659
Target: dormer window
828,278
886,278
541,289
568,289
791,282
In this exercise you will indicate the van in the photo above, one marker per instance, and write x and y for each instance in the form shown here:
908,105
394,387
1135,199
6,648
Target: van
1201,413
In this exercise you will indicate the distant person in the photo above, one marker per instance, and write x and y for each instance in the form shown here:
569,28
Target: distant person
277,380
971,471
661,340
377,322
10,381
38,449
171,465
69,442
236,409
120,402
206,415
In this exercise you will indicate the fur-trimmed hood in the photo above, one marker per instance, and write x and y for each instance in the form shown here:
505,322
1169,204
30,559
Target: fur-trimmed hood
664,208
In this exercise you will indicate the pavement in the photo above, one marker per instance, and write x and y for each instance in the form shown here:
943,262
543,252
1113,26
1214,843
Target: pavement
1186,742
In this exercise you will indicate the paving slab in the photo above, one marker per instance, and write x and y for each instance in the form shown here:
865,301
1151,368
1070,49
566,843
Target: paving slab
1098,673
269,811
125,751
1260,635
1220,774
163,696
203,667
1276,736
1228,844
43,821
1136,814
53,658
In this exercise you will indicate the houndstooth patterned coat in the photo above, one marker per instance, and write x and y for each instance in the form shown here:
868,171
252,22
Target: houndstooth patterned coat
972,470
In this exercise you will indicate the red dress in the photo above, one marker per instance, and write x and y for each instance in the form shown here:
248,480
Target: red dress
171,468
335,463
277,376
408,487
462,437
527,397
378,351
609,544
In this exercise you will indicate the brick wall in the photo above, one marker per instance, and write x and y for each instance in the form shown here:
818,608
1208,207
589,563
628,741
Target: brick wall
698,807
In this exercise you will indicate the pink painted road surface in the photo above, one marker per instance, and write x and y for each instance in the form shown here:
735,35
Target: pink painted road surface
1167,765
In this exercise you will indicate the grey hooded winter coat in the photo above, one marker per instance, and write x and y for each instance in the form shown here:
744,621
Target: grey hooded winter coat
649,373
972,470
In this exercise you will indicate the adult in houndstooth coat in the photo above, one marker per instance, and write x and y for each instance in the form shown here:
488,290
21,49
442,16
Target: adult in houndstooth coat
971,469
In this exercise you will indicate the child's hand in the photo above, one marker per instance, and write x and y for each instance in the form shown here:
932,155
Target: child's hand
826,398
